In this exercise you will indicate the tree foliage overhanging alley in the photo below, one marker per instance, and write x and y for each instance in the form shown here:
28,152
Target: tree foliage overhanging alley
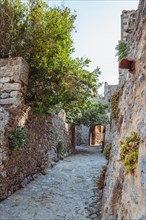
43,37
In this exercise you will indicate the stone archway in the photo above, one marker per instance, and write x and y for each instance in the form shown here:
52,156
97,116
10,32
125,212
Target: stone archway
96,135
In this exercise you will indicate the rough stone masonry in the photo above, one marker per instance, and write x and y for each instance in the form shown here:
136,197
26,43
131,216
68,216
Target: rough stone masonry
124,195
17,168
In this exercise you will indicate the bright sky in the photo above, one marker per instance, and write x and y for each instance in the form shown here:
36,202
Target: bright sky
98,28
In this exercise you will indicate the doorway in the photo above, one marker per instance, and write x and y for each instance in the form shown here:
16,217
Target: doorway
96,135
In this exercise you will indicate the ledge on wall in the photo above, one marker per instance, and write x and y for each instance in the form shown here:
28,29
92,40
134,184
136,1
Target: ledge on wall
127,63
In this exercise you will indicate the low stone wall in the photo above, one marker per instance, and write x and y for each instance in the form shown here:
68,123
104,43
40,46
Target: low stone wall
19,167
124,195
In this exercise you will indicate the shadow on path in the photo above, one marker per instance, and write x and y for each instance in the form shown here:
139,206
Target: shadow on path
85,149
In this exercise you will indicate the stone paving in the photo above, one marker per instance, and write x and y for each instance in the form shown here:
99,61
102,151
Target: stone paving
66,192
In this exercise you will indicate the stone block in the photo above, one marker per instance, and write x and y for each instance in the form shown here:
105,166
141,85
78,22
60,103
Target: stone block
143,217
62,115
1,157
22,120
4,173
3,62
4,117
141,127
8,101
143,172
24,183
21,69
15,94
5,95
11,87
134,195
4,79
16,68
5,72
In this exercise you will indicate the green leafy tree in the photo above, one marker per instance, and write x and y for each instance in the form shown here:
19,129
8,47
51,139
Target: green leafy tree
91,113
12,16
43,36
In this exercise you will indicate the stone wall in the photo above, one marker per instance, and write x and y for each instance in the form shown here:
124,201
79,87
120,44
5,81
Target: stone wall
108,92
84,135
19,167
78,133
126,17
124,195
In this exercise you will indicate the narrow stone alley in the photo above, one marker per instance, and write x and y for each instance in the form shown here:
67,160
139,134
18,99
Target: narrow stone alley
68,191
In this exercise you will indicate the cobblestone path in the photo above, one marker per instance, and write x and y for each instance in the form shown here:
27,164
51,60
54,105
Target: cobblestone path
67,192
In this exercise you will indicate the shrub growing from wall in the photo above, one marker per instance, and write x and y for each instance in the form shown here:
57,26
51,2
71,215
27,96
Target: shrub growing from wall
114,104
129,151
121,50
101,177
107,150
18,138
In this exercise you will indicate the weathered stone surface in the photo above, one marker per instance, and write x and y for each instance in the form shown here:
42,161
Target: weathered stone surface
84,135
130,203
52,155
8,101
142,217
143,172
4,79
4,95
4,117
3,62
23,71
108,92
15,94
62,115
16,68
141,126
4,173
78,132
24,117
11,87
5,72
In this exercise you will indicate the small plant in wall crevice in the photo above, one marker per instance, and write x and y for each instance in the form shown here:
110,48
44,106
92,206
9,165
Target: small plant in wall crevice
107,150
60,148
129,151
114,104
101,177
121,50
18,138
